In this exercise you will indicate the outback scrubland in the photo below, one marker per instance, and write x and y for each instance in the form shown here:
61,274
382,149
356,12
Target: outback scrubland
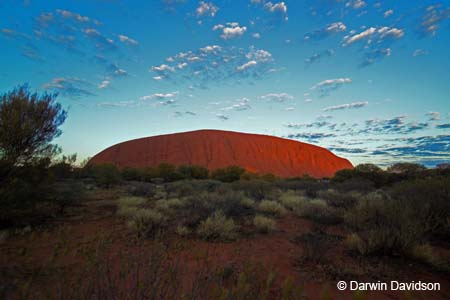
184,232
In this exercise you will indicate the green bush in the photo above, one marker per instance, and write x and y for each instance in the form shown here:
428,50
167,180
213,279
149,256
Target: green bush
147,223
217,228
264,224
340,199
292,201
130,201
318,211
141,189
228,174
429,202
384,226
67,193
193,172
272,208
106,175
132,174
257,189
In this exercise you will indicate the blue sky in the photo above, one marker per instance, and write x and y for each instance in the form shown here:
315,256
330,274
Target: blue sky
367,79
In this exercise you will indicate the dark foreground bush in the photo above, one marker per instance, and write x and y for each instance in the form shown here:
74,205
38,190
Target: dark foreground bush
106,175
430,201
384,226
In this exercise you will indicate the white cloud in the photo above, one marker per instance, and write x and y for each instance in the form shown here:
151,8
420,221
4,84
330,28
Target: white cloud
246,66
364,34
163,68
277,7
388,13
373,33
206,9
434,116
419,52
277,97
71,15
104,84
230,30
256,35
127,40
346,106
336,27
356,4
159,96
391,32
331,82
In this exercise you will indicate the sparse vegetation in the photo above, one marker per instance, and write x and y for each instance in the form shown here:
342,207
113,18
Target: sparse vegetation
271,208
217,228
263,224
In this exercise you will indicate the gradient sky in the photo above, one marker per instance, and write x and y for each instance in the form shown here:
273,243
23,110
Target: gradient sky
369,80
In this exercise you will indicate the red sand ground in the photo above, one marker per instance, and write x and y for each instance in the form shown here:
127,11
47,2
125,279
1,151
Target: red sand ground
20,255
217,149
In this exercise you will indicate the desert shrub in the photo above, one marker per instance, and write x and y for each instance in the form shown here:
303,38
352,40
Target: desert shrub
147,223
247,203
183,230
263,224
106,175
228,174
217,227
167,206
63,168
429,202
272,208
384,226
132,174
25,186
340,199
292,201
126,211
207,185
67,193
199,207
318,211
141,189
256,189
362,185
179,189
193,172
131,201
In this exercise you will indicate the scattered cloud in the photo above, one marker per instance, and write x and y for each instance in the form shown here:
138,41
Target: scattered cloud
222,117
419,52
159,96
313,137
246,66
212,64
374,35
326,86
432,17
434,116
127,40
316,57
277,97
104,84
327,31
346,106
206,9
443,126
230,30
388,13
71,87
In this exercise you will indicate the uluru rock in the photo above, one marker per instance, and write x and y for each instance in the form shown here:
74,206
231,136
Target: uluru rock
215,149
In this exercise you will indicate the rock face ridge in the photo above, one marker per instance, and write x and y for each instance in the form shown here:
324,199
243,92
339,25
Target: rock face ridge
217,149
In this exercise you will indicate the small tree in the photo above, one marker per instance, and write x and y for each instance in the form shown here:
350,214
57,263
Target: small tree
28,124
